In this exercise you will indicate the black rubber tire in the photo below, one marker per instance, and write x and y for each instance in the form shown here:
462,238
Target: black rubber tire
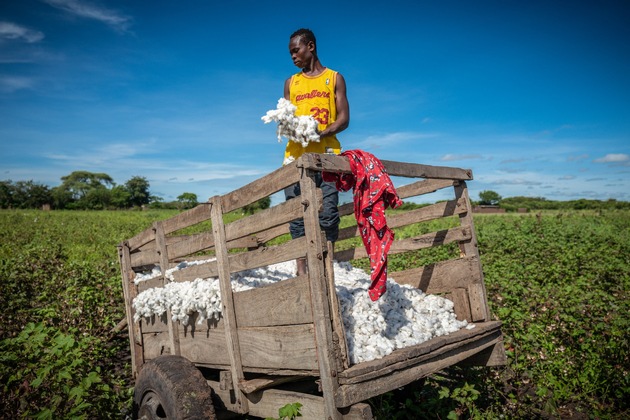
171,387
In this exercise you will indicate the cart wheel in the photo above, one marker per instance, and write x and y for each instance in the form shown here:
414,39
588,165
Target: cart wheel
171,387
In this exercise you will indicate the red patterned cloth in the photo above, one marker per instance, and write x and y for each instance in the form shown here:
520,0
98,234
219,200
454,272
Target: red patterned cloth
373,193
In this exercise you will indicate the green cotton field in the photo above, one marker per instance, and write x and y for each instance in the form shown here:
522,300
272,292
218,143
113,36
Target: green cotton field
559,281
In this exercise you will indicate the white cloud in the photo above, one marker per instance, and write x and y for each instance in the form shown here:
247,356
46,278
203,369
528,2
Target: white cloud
10,84
112,18
516,160
577,158
10,30
621,158
453,157
388,140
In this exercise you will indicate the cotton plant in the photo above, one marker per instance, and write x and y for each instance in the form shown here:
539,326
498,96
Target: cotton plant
403,317
301,129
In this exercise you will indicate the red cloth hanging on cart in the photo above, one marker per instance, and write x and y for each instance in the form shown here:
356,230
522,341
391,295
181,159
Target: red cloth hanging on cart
373,192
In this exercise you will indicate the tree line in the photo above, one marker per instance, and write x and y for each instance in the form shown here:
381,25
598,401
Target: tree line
80,190
83,190
489,197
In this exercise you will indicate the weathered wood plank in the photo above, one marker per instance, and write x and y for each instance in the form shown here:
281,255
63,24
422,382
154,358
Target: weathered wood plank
261,188
417,188
333,163
470,247
265,219
148,284
187,218
268,255
227,302
265,403
428,240
260,257
279,347
491,356
129,294
373,368
425,186
258,384
204,242
339,335
477,303
141,239
284,303
423,214
459,296
144,258
452,354
440,277
173,332
268,235
328,362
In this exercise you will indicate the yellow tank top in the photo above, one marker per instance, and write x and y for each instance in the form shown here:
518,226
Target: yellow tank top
314,96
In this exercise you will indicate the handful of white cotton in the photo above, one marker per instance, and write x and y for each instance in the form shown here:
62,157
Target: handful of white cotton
300,129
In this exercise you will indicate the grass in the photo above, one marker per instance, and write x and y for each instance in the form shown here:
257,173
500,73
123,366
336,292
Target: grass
559,281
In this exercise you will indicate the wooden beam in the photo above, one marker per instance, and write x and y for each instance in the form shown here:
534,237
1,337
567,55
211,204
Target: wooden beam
470,247
423,214
130,292
261,188
352,393
328,364
334,163
442,276
428,240
227,302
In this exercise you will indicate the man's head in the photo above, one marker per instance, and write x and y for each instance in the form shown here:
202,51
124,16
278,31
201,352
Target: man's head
305,36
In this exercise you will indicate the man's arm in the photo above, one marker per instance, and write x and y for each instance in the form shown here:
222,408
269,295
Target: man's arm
287,85
343,108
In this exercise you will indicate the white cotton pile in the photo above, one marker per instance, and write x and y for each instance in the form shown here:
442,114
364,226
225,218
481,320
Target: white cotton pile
402,317
300,129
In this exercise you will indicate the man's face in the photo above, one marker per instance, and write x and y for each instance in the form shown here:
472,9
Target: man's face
301,53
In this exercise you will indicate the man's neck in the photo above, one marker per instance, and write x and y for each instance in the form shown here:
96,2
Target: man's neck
313,69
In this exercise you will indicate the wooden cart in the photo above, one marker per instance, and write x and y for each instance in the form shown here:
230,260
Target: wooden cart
285,343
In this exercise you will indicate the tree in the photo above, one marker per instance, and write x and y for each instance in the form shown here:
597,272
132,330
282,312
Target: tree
187,200
32,195
24,195
120,197
263,203
6,194
79,183
488,197
138,188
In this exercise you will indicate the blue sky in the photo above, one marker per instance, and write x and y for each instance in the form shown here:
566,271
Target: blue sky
533,96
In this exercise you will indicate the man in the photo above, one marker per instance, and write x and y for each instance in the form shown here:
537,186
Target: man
320,92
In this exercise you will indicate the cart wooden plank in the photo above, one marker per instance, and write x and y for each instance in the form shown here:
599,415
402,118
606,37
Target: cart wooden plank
285,303
261,188
428,240
423,214
441,277
327,358
454,353
265,404
374,368
334,163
